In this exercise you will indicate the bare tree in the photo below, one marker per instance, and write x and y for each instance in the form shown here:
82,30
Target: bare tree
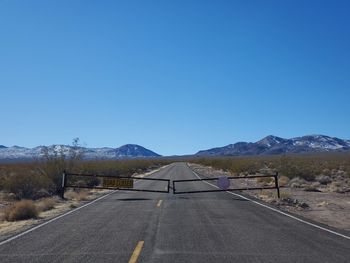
56,160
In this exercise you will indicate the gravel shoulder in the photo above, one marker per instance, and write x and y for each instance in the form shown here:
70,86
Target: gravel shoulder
320,204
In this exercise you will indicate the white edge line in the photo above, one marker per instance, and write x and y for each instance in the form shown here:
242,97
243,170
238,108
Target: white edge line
153,172
276,210
54,219
65,214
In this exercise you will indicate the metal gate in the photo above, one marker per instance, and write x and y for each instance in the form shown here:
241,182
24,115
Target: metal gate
176,184
94,181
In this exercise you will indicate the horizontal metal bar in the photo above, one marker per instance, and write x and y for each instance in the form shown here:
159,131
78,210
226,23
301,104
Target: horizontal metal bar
128,177
144,190
150,179
195,180
231,177
221,190
124,189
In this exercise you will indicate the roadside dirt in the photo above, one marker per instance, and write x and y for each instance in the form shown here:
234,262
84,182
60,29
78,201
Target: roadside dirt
8,229
311,200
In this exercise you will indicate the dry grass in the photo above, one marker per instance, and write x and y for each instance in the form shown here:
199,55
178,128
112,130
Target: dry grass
21,210
285,194
283,180
72,206
77,196
314,187
266,181
265,195
272,194
46,204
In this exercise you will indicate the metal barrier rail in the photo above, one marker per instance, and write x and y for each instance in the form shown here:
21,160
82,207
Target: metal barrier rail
275,176
66,185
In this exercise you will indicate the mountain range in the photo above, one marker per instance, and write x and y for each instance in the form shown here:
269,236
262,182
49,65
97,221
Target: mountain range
125,151
272,145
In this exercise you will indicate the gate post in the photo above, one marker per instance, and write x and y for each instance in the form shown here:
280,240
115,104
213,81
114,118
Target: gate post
64,175
277,186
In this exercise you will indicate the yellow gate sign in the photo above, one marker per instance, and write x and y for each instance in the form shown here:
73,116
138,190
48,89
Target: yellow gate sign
118,182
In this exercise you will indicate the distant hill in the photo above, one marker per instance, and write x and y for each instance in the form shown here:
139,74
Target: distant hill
125,151
135,150
277,145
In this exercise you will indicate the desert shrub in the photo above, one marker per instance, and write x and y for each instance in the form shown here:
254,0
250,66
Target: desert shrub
284,195
46,204
304,172
76,196
233,165
26,185
24,209
347,170
40,178
326,172
91,182
83,181
2,183
118,167
283,180
314,187
303,166
241,166
323,179
42,193
265,180
266,193
297,182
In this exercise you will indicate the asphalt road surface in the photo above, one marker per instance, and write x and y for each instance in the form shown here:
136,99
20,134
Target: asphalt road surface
156,227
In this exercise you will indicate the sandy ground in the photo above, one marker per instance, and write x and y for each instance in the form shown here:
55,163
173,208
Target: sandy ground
326,207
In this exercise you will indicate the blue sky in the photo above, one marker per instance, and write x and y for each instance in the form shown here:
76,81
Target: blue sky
173,76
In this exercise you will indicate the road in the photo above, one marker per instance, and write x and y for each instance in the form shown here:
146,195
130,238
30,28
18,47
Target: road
156,227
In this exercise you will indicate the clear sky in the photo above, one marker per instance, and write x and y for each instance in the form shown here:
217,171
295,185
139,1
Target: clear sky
173,76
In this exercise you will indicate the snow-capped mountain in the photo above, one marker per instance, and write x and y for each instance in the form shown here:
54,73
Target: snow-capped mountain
125,151
271,140
276,145
321,142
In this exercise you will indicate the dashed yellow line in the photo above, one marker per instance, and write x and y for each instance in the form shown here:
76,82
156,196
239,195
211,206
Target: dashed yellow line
135,255
159,203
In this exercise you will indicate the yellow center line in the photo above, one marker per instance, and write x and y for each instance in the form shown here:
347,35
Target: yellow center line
159,203
135,255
